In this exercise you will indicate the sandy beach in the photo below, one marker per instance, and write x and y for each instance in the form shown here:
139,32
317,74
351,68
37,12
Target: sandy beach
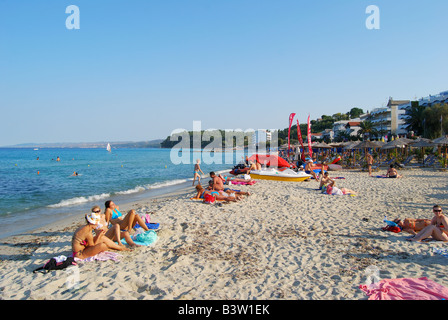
286,241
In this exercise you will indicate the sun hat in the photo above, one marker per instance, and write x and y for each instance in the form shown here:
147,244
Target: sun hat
93,218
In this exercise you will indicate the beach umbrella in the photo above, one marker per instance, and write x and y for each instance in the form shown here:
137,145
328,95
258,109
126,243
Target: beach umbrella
422,143
397,143
367,144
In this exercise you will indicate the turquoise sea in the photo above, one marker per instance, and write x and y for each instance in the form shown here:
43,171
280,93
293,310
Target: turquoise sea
36,189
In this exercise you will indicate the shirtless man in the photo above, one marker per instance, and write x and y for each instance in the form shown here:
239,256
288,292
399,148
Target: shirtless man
438,229
310,171
218,185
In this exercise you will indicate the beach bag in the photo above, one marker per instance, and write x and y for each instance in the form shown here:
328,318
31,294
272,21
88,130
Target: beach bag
208,198
56,263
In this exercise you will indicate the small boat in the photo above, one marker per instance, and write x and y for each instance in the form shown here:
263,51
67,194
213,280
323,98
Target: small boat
279,175
108,147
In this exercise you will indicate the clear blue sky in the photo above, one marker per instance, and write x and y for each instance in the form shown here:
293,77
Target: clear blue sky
137,70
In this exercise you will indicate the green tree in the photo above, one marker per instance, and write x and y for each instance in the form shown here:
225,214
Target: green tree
355,113
367,129
432,120
415,118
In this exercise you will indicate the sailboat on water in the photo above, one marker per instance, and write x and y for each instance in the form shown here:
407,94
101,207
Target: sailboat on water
108,147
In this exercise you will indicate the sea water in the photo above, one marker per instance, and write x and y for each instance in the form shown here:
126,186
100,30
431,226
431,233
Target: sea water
38,187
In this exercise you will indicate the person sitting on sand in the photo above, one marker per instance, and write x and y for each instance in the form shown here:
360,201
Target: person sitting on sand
392,172
85,245
114,233
309,170
218,185
331,189
126,222
197,169
201,192
325,180
438,229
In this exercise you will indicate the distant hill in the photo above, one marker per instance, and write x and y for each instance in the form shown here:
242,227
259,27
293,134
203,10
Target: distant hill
92,145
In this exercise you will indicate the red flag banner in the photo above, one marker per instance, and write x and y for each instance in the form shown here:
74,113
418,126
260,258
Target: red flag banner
299,136
310,149
291,118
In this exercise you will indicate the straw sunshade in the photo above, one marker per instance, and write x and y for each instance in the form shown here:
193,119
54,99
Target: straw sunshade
422,143
366,144
441,141
397,143
321,145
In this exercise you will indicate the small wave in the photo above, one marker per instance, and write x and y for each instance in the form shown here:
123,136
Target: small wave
164,184
79,200
130,191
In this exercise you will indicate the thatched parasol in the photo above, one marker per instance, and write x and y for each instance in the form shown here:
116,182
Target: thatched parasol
367,144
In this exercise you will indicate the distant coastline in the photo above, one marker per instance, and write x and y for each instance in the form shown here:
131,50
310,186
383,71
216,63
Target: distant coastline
91,145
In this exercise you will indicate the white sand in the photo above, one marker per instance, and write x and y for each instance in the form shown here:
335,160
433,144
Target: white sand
285,241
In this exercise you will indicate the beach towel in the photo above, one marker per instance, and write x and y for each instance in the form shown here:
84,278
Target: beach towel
102,256
145,238
442,251
405,289
382,176
248,183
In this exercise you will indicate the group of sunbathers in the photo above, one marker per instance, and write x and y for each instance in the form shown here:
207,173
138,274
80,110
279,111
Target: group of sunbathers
104,231
218,191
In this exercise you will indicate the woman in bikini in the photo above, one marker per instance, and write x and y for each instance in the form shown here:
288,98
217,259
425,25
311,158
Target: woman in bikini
438,229
126,222
85,245
197,169
331,189
113,233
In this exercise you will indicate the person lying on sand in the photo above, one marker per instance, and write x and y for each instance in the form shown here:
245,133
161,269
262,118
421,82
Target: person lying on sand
114,233
85,245
201,192
126,222
331,189
228,191
412,226
392,172
437,230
